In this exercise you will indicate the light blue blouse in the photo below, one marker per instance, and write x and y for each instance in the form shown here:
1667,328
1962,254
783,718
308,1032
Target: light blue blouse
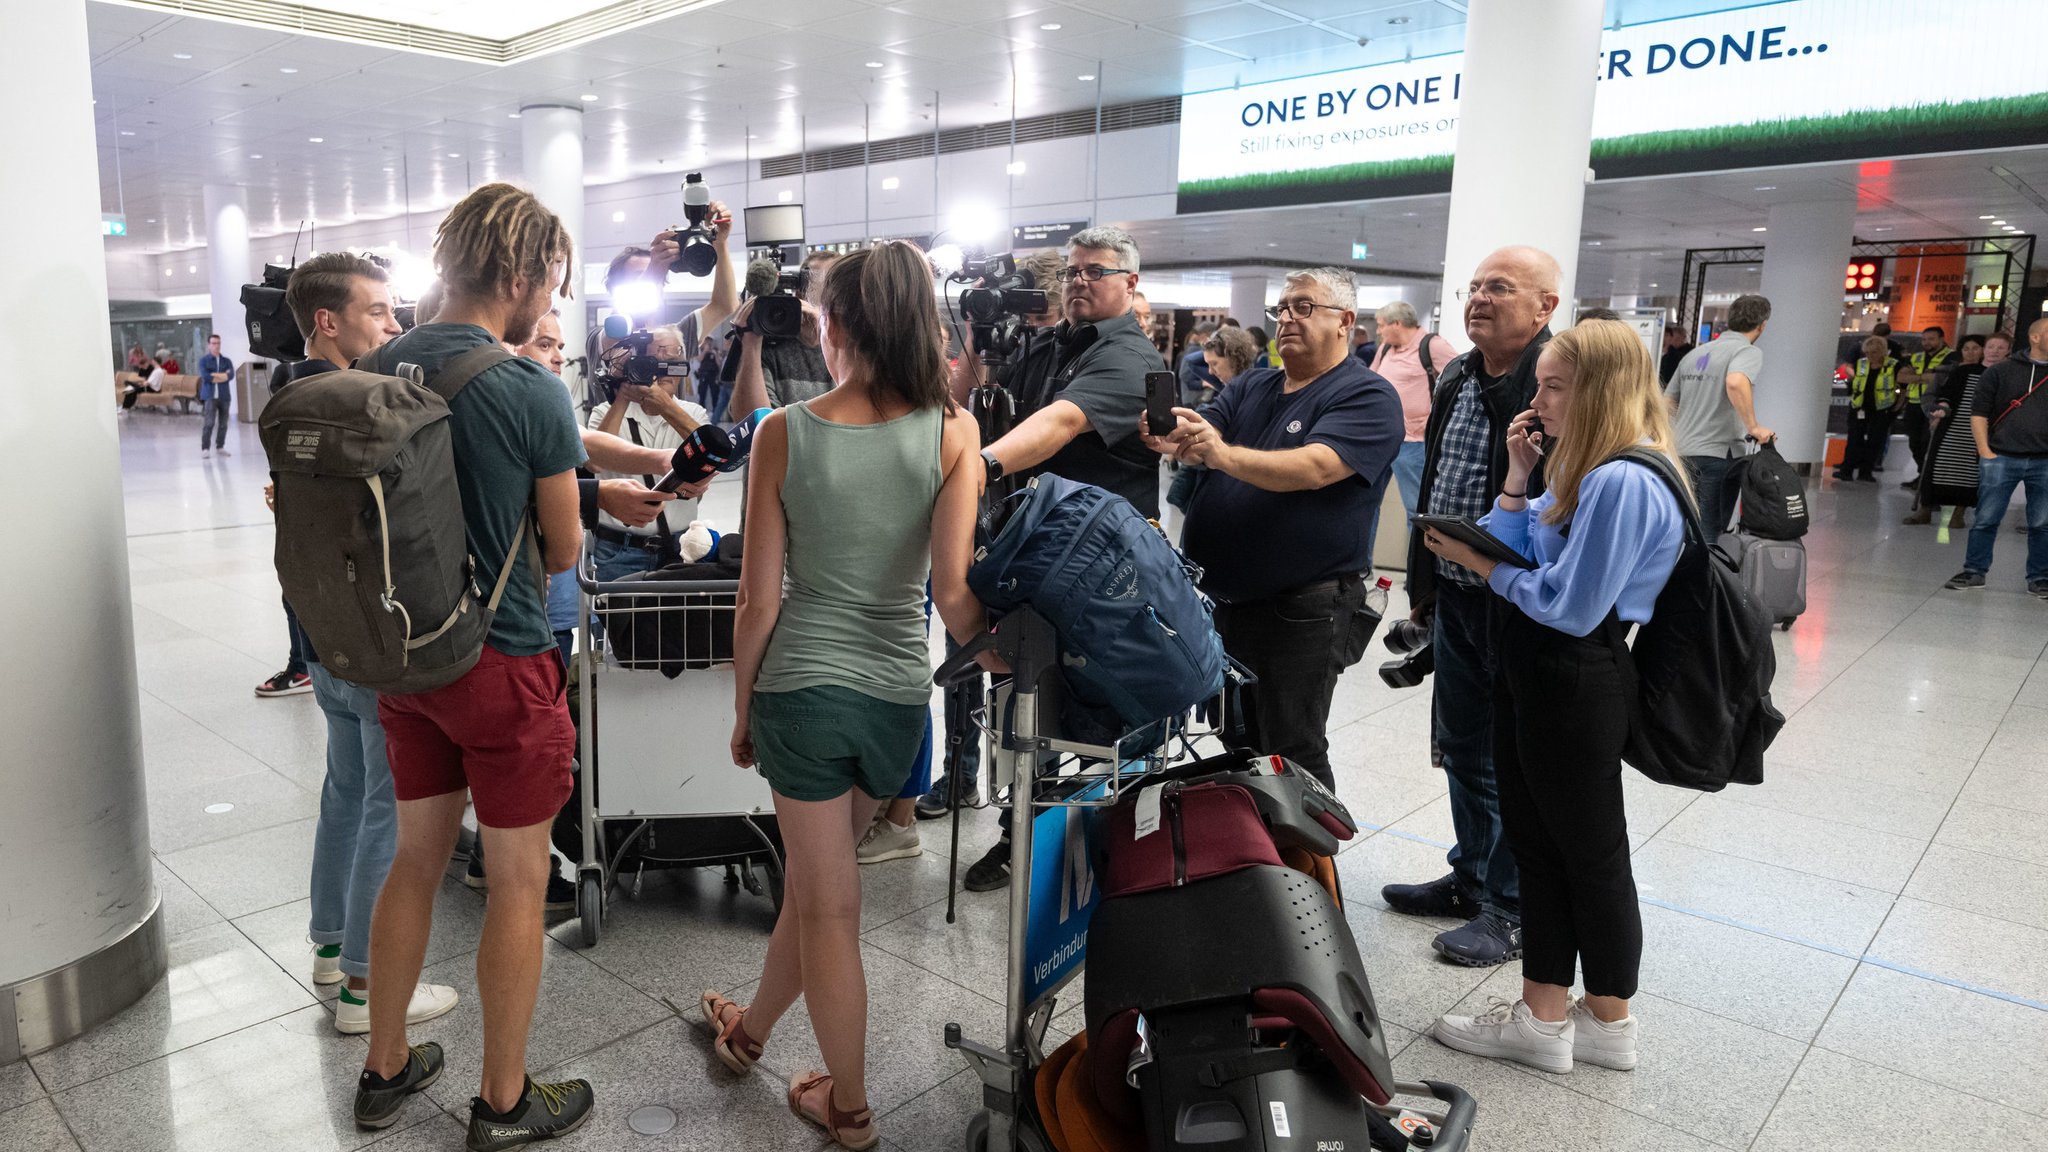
1624,542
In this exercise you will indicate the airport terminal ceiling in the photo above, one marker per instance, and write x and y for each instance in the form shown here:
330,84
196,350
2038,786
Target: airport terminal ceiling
351,130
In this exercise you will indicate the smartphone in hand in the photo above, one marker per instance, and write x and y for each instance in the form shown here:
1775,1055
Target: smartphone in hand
1162,393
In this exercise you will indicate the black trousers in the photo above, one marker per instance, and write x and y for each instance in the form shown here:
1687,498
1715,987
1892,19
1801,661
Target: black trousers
1560,719
1866,441
1914,418
1297,644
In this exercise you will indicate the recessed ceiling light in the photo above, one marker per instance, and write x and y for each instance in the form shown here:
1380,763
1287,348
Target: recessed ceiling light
181,55
874,64
255,155
511,115
1759,229
1048,27
1986,217
1766,188
288,71
1014,168
167,271
1998,223
1595,243
316,139
618,217
1086,76
126,132
455,155
1653,283
588,97
1270,244
785,196
152,220
891,183
192,268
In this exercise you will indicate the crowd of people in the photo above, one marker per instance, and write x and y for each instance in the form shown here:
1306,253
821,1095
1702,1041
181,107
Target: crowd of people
862,495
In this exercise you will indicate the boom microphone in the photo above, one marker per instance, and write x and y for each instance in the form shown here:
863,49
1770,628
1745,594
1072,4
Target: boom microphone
762,275
618,326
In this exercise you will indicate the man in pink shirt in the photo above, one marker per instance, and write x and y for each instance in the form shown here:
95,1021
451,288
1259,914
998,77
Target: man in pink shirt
1410,359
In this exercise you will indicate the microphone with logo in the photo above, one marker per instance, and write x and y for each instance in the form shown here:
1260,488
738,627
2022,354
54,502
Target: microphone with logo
712,448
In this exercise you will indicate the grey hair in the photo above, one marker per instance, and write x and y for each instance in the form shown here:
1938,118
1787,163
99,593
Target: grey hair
1343,293
1109,240
1399,313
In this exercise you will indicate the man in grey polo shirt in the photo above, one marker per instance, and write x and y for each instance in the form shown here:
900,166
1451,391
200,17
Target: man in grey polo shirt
1712,394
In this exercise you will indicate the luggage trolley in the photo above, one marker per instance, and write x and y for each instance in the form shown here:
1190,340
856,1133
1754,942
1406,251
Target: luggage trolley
648,797
1056,822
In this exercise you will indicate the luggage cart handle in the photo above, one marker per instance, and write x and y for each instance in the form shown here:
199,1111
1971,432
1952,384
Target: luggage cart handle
962,665
656,587
1456,1131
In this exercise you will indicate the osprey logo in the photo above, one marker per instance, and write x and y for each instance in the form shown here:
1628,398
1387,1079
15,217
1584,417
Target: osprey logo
1122,583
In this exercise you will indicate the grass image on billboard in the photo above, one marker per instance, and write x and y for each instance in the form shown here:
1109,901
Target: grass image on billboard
2009,121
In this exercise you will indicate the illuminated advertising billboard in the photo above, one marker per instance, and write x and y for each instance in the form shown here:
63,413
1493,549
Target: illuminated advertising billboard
1796,81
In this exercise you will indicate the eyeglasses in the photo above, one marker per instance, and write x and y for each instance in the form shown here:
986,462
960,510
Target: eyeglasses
1300,308
1494,289
1091,273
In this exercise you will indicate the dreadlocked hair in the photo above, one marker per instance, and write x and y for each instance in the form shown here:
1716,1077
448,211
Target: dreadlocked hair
495,234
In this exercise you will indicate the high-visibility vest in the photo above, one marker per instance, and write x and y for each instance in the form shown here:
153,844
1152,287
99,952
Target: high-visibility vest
1924,363
1887,383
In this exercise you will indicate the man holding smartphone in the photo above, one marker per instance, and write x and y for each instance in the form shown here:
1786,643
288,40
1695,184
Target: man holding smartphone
1298,459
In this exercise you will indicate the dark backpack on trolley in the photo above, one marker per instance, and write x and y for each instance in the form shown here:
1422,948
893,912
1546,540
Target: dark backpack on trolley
1702,716
372,547
1773,497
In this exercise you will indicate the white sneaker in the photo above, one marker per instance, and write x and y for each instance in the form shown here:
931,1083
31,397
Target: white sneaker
326,969
1596,1042
1507,1031
886,841
352,1012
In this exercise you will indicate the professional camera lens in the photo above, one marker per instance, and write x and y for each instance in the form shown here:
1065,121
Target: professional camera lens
1409,670
698,256
1406,636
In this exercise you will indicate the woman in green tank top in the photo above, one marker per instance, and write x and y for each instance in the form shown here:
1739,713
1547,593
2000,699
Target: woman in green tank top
854,499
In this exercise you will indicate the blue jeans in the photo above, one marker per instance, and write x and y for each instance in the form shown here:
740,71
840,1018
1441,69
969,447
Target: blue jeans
1408,471
213,422
1997,477
358,829
1463,722
1717,483
300,652
714,396
616,562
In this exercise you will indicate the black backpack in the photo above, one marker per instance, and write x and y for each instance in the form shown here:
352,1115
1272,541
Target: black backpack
1702,716
1773,497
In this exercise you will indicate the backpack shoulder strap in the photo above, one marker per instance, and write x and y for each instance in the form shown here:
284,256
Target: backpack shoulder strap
1660,464
1428,363
457,373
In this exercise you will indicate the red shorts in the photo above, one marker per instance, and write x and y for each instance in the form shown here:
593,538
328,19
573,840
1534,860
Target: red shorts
502,731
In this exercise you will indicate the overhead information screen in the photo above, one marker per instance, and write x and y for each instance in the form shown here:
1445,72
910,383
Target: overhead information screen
1775,83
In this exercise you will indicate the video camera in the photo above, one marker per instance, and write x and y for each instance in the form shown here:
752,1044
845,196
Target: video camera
696,241
631,358
1417,657
1000,297
273,331
778,306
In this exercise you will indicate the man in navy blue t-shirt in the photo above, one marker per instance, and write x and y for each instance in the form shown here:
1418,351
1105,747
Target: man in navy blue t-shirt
1297,461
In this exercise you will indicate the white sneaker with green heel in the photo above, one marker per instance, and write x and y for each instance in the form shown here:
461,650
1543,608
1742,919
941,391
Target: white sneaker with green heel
352,1009
327,964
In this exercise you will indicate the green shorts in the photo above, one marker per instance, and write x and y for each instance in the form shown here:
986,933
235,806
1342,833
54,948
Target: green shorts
815,743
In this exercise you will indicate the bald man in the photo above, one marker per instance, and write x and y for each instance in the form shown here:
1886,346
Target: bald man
1508,306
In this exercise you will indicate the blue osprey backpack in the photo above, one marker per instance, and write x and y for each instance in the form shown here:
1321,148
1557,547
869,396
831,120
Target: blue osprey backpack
1136,637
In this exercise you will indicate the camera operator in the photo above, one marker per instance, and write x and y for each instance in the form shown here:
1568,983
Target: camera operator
776,371
1081,422
1026,372
651,417
1298,459
650,266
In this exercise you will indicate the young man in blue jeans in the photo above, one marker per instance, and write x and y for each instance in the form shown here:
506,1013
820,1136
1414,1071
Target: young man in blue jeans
216,377
343,304
2010,423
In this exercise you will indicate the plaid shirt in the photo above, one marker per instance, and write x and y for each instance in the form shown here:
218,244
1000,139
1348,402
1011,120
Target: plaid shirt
1459,486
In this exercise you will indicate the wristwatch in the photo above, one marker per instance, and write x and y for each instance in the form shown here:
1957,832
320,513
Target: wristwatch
995,466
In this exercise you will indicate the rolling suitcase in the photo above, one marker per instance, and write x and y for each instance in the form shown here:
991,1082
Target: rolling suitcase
1774,571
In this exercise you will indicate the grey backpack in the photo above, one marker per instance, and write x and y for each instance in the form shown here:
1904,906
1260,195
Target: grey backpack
372,548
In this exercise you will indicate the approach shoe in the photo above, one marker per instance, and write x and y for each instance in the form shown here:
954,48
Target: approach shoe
1594,1041
285,684
992,871
1506,1031
887,841
543,1113
352,1008
378,1100
1482,942
938,800
1965,579
1439,897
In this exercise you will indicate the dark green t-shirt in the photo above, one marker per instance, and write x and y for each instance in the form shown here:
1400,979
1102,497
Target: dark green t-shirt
511,426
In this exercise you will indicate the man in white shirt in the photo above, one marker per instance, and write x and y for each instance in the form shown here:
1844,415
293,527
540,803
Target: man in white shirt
653,417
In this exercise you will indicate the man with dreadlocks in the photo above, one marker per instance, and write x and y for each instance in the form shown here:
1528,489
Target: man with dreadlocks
500,735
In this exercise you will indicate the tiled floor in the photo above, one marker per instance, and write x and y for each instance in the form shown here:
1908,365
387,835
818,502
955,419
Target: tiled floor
1850,956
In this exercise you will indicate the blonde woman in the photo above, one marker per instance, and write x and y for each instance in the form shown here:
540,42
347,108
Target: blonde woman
1605,537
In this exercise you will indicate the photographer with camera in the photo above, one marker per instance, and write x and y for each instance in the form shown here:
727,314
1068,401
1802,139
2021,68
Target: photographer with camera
1297,460
651,416
775,357
634,279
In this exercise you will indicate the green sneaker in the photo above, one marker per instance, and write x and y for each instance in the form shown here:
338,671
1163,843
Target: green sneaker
544,1112
378,1107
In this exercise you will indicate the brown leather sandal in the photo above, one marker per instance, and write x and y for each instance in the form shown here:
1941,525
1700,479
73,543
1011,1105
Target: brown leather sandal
734,1048
854,1131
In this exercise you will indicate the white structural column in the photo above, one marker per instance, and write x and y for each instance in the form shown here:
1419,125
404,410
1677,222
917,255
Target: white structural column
1525,128
1807,249
82,938
551,156
1248,298
227,266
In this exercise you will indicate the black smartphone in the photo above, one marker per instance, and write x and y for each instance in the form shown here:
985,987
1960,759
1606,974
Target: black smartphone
1162,393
